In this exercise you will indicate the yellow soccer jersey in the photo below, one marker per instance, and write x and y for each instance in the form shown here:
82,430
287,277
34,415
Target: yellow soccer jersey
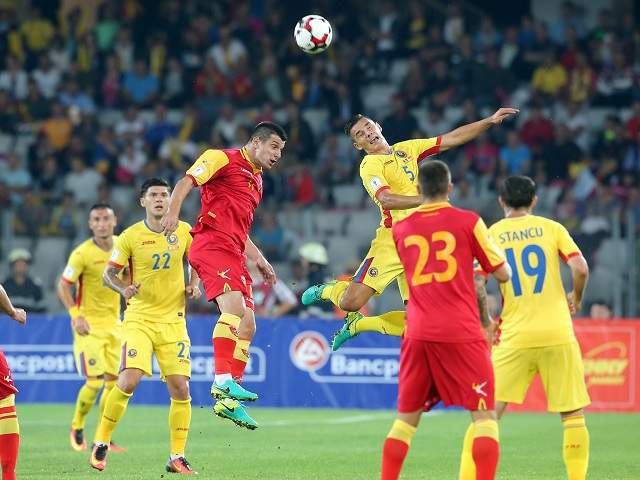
535,310
99,305
397,171
156,263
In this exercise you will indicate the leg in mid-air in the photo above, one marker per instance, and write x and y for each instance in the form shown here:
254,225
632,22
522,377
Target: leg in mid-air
246,332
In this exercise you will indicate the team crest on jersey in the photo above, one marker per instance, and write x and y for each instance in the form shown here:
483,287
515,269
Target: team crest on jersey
172,240
373,272
92,361
132,353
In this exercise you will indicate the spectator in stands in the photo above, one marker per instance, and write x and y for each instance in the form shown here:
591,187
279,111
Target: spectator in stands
227,51
47,77
631,161
611,140
401,124
73,97
581,81
549,78
130,162
131,127
65,218
600,310
15,177
14,79
83,182
271,301
58,127
632,127
161,128
124,50
140,86
269,236
481,155
615,84
301,139
435,123
227,124
302,186
25,292
50,181
515,157
174,86
314,260
35,107
510,49
537,130
37,31
337,160
558,155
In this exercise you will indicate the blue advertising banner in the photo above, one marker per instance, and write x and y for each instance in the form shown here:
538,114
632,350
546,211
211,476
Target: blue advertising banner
291,364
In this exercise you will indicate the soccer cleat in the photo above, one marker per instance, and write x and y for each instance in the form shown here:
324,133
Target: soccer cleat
76,440
347,330
180,465
115,448
234,411
313,294
231,389
98,459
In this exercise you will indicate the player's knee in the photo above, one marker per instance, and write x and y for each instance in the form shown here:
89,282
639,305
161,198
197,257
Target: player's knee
128,383
350,304
247,330
95,383
180,391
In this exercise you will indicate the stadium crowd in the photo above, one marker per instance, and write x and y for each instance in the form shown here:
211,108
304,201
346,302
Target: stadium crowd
112,92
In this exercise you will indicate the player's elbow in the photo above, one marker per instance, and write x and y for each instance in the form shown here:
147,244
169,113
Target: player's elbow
503,273
579,266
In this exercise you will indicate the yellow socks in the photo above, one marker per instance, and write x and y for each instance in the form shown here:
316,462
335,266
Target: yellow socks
390,323
333,292
467,465
108,386
575,447
86,398
114,410
402,431
179,421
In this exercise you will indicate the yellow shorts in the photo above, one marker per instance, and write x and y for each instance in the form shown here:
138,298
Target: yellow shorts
561,371
382,265
99,352
169,341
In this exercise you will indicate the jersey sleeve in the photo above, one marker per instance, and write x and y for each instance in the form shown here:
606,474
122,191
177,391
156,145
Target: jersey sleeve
74,267
421,148
121,251
372,175
207,166
487,252
567,248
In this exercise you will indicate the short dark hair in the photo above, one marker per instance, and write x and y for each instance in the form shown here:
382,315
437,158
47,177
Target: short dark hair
153,182
264,130
518,191
352,121
434,177
100,206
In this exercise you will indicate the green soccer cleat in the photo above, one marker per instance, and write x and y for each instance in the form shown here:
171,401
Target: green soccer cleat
234,411
346,332
231,389
313,294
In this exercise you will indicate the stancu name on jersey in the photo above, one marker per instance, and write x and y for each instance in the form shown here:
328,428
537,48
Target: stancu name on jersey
526,234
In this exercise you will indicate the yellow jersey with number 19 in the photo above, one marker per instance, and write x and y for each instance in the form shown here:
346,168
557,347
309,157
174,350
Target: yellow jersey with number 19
99,305
156,263
535,311
397,171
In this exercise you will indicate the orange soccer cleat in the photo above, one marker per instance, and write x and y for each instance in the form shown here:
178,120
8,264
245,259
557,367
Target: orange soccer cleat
98,459
180,465
115,448
76,440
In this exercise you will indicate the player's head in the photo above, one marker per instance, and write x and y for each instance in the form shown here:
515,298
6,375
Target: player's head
102,220
266,144
154,196
434,180
366,134
518,192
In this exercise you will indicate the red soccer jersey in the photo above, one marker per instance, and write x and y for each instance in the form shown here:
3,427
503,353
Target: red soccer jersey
231,189
437,245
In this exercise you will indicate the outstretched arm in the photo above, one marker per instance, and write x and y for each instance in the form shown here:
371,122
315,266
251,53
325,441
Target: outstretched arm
18,314
466,133
393,201
170,219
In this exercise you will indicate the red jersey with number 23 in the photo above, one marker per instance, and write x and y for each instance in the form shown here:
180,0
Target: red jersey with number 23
230,191
437,245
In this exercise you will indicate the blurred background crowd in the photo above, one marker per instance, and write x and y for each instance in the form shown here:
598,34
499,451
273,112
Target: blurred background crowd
96,96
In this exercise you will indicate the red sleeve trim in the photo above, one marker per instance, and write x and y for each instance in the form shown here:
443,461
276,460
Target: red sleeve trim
67,281
565,258
114,264
481,272
193,179
495,267
431,151
382,189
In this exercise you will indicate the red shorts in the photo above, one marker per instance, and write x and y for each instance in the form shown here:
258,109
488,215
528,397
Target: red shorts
221,267
6,382
457,373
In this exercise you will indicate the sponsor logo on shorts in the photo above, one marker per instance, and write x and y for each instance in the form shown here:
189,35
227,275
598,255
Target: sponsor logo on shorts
309,351
132,353
224,274
606,364
373,272
478,388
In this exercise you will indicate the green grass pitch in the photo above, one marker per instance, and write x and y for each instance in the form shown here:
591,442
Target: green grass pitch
302,444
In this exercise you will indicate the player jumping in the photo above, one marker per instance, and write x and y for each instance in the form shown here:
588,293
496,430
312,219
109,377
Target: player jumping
389,175
231,189
95,319
536,333
9,429
154,322
444,354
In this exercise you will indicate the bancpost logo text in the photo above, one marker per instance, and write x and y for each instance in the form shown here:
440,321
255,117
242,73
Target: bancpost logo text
41,362
310,352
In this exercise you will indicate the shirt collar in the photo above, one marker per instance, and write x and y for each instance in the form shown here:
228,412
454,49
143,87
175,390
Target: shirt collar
434,206
245,155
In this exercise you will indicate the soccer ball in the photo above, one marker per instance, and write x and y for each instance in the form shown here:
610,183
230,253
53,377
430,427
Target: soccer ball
313,34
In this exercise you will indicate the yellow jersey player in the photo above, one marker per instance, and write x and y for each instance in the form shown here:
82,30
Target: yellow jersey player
389,174
154,322
95,318
535,329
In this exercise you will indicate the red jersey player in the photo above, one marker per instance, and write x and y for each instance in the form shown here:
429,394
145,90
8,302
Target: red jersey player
444,353
231,188
9,431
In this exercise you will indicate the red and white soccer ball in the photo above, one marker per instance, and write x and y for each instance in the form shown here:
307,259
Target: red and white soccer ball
313,34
